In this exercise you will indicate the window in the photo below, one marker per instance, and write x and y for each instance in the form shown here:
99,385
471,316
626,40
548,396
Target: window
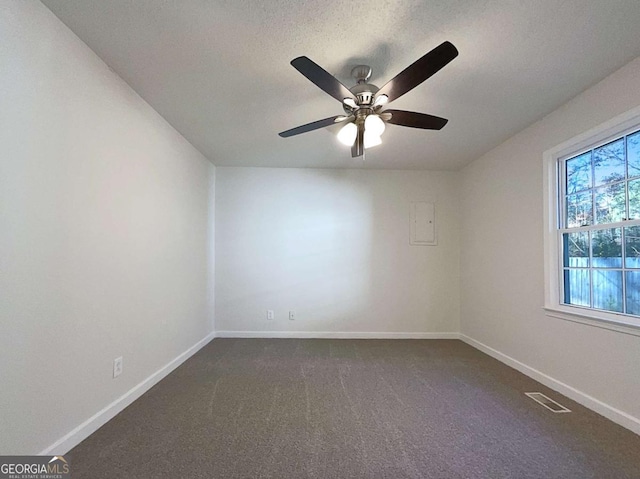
592,245
599,227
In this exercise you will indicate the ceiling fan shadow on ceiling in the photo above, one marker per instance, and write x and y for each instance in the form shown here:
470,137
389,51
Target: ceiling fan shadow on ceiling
364,119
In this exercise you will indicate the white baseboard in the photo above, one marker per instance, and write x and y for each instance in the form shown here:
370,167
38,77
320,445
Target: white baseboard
619,417
91,425
84,430
333,335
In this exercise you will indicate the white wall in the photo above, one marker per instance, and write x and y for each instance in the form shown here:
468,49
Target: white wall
502,256
106,219
333,245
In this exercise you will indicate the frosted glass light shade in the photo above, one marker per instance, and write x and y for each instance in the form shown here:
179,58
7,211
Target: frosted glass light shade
381,100
374,125
350,102
347,134
371,139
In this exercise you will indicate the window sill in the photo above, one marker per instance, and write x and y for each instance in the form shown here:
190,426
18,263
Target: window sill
613,322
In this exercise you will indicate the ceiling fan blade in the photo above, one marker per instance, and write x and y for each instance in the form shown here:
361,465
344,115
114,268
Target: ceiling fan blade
419,71
415,120
321,78
315,125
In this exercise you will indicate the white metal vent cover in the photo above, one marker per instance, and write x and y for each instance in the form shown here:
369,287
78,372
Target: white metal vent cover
547,402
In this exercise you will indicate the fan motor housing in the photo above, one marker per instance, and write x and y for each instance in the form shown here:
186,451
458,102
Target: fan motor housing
363,91
364,94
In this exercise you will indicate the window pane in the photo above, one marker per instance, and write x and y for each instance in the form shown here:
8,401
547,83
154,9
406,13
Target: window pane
610,203
608,162
576,287
634,199
576,250
633,292
579,210
607,290
601,264
607,248
633,154
632,247
579,175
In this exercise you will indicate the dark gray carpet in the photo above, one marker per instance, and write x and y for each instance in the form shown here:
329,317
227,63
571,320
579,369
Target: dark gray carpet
289,408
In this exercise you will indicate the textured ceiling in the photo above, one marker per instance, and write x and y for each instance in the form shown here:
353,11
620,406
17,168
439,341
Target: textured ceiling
219,72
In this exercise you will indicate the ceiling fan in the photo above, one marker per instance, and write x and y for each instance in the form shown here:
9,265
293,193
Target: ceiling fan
364,121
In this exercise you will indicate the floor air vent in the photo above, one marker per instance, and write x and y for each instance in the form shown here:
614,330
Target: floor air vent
547,402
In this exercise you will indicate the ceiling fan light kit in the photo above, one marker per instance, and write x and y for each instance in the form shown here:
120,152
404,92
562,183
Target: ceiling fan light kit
364,119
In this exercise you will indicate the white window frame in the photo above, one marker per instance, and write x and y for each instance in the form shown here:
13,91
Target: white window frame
553,270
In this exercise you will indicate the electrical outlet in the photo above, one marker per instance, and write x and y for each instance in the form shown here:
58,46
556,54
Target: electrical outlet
117,367
292,315
269,314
